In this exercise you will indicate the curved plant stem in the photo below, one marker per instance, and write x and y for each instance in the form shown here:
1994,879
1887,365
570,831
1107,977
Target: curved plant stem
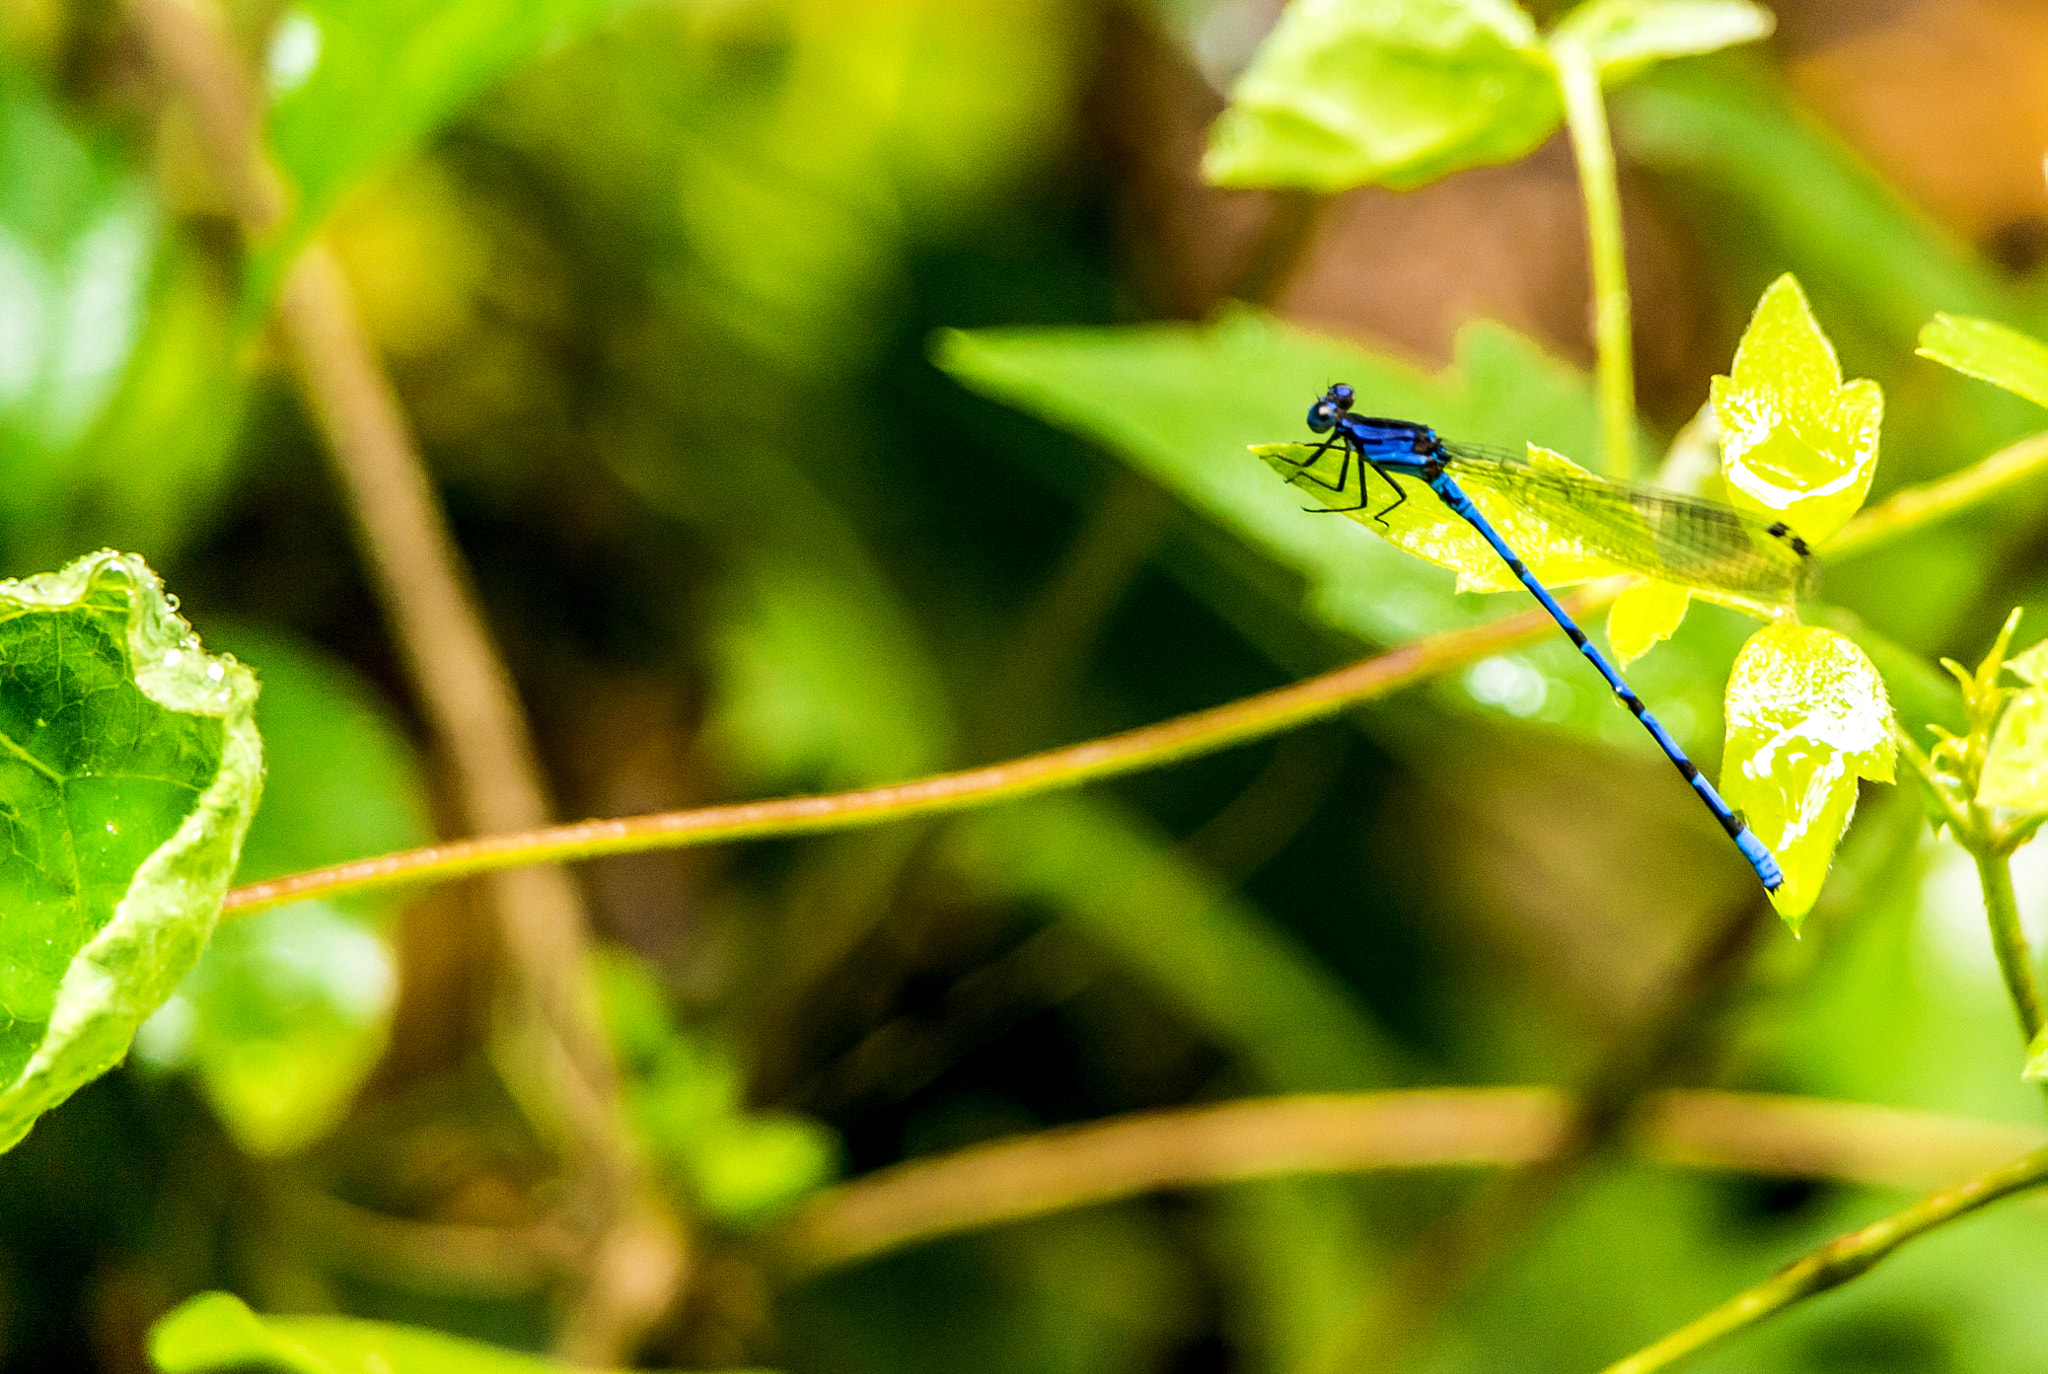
1585,115
1079,1166
2015,959
1148,747
1838,1261
463,687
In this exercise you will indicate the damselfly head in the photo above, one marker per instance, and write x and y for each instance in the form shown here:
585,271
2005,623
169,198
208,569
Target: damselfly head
1324,414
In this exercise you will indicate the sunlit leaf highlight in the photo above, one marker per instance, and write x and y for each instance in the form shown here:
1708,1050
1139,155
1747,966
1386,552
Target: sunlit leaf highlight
1350,93
1624,36
1424,526
1795,440
1807,718
1991,351
1643,616
2016,763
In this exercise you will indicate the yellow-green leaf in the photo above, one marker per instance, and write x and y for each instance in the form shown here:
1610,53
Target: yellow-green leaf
1422,525
1795,441
2036,1070
1644,616
2031,665
1354,92
2016,766
1624,36
1988,350
1807,717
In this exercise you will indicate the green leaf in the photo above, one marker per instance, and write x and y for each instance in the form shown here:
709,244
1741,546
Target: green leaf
218,1331
2016,764
2036,1070
1991,351
1354,92
129,768
1248,377
359,83
741,1166
288,1009
1428,529
1807,717
1795,441
1643,616
1625,36
2030,665
78,235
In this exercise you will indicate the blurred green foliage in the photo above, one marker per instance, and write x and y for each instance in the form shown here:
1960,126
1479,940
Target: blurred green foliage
698,310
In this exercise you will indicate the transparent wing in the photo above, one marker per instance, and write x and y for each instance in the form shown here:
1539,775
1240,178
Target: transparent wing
1657,533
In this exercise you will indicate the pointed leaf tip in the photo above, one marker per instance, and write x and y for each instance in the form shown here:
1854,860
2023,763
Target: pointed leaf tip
1796,440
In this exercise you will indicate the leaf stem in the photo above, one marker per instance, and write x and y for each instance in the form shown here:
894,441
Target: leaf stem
1585,114
1187,736
1838,1261
1084,1165
2015,958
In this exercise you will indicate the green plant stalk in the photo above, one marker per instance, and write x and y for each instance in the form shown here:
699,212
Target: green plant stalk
1585,114
1151,746
2015,959
1916,507
1838,1261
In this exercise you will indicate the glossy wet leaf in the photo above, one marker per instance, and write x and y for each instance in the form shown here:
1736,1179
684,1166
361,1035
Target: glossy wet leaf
1643,616
217,1331
1986,349
356,84
1795,441
1354,92
288,1009
1807,718
129,768
1424,526
1624,36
